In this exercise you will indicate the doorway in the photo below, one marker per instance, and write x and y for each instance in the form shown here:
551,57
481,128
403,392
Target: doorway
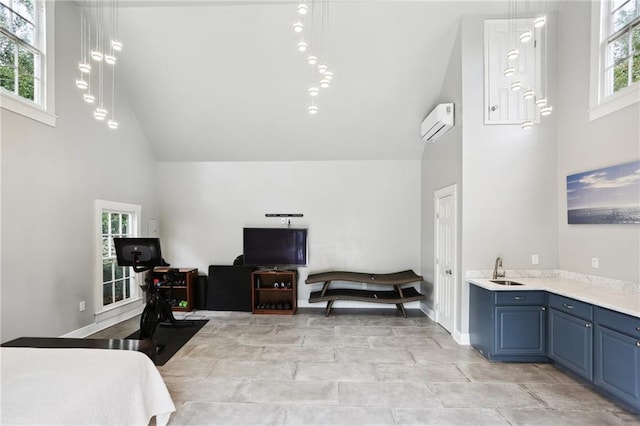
446,248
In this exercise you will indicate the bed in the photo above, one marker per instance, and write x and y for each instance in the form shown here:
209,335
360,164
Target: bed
81,386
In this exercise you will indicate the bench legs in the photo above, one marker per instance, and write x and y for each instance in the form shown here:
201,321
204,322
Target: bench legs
400,306
329,306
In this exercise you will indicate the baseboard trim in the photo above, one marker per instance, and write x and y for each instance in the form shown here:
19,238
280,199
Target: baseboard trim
430,313
461,338
99,326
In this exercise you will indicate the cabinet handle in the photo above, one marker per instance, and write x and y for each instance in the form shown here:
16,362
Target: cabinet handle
519,298
638,344
543,308
638,328
587,325
567,306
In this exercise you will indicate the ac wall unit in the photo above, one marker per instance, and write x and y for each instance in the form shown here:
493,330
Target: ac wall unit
437,123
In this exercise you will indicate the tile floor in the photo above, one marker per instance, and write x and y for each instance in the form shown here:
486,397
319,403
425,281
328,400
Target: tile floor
366,367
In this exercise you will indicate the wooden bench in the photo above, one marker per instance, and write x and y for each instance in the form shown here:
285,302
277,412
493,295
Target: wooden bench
147,347
397,295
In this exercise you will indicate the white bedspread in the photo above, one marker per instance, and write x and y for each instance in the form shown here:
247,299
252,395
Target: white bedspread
81,387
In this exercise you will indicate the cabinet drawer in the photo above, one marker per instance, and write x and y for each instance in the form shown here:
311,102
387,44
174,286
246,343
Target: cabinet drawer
617,321
519,298
571,306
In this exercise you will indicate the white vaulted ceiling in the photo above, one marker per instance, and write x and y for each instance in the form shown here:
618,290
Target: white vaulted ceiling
223,81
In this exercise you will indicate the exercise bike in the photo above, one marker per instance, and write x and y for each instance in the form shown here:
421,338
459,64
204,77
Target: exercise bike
158,309
143,254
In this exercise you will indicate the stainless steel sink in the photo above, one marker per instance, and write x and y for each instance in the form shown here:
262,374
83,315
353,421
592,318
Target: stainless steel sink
505,282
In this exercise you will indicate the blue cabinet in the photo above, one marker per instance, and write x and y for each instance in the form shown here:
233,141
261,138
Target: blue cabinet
508,325
617,355
570,330
571,342
519,331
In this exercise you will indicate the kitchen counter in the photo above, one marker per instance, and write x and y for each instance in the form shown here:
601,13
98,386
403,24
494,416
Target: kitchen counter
627,302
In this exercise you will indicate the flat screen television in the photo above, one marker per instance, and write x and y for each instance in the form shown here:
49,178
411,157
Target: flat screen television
270,247
140,253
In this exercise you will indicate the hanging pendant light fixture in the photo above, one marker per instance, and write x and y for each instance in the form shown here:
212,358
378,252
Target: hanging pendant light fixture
95,50
112,123
509,71
540,21
89,98
81,83
84,66
532,83
96,53
303,9
317,55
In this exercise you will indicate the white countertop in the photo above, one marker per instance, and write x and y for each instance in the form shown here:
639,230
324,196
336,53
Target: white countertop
626,302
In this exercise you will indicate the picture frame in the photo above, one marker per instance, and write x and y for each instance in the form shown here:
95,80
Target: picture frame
610,195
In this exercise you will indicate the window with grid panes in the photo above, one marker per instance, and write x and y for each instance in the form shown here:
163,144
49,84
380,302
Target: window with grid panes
621,25
117,281
22,48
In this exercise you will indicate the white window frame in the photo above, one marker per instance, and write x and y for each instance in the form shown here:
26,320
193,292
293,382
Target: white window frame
44,109
135,301
600,104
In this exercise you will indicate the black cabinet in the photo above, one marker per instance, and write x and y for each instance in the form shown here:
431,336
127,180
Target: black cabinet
570,330
508,325
617,355
229,288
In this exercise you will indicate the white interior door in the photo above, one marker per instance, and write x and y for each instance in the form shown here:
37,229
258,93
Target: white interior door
445,250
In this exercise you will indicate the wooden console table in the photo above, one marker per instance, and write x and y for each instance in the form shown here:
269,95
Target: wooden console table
397,296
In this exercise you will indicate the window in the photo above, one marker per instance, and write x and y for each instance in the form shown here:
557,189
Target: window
616,47
116,280
117,284
26,72
622,64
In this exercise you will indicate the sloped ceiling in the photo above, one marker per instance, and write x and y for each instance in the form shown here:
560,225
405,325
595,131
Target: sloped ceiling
223,81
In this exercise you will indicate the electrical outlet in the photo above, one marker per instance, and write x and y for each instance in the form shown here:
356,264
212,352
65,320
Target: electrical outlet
81,306
594,263
534,259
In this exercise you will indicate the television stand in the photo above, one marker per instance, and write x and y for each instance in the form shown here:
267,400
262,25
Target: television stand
274,292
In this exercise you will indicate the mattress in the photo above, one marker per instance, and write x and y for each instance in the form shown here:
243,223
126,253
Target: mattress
80,387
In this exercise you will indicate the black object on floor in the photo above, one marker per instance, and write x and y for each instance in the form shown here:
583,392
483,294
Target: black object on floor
229,288
147,347
172,338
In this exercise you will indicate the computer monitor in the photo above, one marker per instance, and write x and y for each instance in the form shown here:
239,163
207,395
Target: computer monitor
140,253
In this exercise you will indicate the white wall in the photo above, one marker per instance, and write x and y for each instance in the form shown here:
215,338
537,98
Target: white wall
441,167
50,179
361,215
507,197
585,145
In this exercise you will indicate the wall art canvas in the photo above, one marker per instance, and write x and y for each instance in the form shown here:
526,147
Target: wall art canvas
608,195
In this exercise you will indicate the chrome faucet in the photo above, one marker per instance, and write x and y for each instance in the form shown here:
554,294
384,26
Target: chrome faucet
496,273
